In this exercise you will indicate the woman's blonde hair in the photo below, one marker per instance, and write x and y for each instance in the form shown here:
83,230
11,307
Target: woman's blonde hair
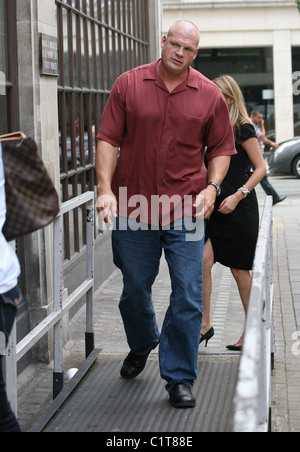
238,111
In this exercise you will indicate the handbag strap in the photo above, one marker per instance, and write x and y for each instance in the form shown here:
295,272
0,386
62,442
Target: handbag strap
13,136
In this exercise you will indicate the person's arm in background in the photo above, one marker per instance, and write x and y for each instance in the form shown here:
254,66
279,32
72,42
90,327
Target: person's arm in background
263,137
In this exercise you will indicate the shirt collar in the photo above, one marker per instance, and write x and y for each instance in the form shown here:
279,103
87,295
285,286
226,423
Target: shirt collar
193,79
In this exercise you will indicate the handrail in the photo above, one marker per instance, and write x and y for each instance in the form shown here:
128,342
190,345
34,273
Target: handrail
252,401
60,307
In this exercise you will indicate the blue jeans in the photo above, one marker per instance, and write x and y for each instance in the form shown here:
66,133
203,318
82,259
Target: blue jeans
8,310
137,254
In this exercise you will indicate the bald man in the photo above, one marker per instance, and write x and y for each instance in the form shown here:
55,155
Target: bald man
157,191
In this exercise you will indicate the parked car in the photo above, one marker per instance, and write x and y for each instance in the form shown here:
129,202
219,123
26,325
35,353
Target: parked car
286,159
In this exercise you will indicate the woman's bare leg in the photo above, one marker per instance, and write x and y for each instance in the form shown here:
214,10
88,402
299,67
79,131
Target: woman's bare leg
208,262
243,279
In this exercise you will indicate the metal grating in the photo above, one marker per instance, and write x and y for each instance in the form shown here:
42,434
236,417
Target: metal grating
103,402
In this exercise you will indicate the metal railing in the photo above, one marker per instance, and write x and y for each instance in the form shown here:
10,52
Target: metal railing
252,401
61,307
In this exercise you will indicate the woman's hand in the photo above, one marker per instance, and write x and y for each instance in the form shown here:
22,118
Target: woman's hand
229,204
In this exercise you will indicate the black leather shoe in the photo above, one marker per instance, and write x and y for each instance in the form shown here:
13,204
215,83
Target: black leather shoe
277,201
181,396
134,365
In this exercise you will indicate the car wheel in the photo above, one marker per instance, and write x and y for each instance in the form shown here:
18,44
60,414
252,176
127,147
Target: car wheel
296,167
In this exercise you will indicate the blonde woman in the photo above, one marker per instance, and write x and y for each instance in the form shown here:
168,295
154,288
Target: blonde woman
231,233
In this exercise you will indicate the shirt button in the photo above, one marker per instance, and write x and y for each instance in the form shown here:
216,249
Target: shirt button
164,146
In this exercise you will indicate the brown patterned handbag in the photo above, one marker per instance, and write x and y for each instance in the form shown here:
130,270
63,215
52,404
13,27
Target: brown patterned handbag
31,199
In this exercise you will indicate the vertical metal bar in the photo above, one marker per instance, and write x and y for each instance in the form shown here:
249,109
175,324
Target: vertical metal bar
118,14
89,335
101,45
139,34
146,37
272,301
58,374
60,31
130,43
134,32
76,216
85,25
271,329
113,41
72,113
262,415
93,44
124,36
107,45
13,112
11,371
70,38
67,243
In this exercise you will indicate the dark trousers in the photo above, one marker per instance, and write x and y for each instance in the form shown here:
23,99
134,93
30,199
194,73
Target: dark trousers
8,310
269,189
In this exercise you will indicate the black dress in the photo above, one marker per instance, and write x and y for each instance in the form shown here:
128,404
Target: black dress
234,236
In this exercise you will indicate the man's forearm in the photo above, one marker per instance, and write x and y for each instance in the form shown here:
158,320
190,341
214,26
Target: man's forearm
106,163
218,168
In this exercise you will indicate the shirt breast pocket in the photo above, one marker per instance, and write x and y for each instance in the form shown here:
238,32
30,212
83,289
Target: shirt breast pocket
190,130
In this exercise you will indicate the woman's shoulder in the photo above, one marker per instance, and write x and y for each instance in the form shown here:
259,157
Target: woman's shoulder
247,131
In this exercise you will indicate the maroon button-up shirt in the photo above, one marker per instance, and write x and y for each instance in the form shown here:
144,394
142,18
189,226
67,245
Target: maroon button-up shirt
163,137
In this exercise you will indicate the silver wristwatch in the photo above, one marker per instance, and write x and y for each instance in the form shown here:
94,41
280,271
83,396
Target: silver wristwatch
217,187
245,191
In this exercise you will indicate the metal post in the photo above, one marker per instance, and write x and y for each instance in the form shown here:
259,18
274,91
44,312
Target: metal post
89,335
11,370
58,374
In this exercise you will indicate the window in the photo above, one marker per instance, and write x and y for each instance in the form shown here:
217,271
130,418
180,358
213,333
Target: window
296,89
8,57
253,70
98,40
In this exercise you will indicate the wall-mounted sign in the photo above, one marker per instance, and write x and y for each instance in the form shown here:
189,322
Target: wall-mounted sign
49,55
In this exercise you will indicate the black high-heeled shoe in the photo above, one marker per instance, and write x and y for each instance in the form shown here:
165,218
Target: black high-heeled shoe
207,337
235,348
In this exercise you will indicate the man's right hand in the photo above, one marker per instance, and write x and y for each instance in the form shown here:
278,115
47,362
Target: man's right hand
107,206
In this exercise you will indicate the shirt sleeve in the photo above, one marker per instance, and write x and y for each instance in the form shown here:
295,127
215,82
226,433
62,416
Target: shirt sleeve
113,118
247,132
219,132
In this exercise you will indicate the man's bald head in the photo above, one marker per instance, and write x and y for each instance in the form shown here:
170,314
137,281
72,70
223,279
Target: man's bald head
187,28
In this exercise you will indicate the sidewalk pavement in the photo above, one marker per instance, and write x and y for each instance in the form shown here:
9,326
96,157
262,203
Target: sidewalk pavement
35,384
286,381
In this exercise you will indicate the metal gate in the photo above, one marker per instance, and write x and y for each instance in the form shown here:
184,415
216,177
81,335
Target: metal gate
61,307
